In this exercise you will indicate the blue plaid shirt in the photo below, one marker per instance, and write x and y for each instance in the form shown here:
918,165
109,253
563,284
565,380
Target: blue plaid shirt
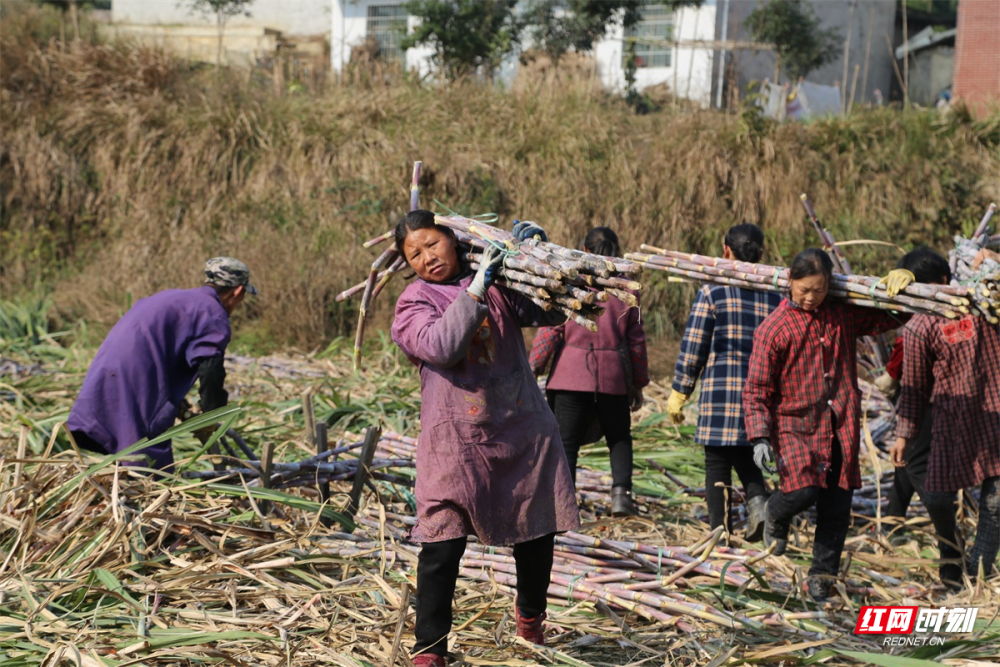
718,340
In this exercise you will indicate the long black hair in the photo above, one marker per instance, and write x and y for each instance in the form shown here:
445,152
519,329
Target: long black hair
602,241
411,222
926,265
811,262
746,242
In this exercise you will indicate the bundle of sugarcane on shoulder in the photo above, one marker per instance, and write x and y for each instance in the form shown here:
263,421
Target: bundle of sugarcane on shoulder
974,289
574,282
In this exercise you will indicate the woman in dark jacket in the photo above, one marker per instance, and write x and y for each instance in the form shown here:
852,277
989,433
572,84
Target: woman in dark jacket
716,348
598,375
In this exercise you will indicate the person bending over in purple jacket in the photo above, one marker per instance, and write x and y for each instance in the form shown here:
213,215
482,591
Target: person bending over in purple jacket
136,385
597,378
489,459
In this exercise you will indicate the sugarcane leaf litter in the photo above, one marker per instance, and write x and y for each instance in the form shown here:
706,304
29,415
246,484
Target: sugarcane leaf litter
105,565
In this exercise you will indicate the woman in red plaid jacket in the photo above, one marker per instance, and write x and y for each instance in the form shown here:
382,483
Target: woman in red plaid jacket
952,370
911,466
801,399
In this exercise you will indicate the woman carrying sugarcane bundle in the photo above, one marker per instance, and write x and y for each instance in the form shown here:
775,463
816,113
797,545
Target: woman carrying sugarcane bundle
489,459
951,369
930,268
597,375
716,346
803,408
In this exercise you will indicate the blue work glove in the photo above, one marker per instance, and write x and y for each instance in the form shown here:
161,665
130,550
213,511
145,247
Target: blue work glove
524,230
489,268
763,455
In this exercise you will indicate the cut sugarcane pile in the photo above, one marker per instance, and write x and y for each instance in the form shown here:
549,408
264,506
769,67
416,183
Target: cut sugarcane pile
982,282
395,460
317,469
951,301
574,282
652,582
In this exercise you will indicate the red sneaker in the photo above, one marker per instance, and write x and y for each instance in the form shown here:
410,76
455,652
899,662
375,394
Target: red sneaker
430,660
531,628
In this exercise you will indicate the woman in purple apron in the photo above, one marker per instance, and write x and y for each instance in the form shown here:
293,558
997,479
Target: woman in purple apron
489,459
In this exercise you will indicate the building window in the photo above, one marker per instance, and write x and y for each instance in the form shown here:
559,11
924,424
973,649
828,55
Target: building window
653,36
386,25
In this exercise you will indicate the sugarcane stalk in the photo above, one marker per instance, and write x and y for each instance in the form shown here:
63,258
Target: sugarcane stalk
716,535
629,299
351,291
619,283
528,290
566,267
381,238
415,186
979,235
567,301
240,442
366,299
548,284
579,255
830,245
583,262
385,276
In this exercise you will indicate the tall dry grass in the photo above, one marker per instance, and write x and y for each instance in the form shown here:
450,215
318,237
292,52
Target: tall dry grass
123,169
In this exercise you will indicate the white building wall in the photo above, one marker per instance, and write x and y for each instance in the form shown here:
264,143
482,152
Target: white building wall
690,68
349,29
291,17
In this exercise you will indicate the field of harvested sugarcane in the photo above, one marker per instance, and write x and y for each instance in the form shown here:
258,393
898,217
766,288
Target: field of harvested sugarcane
101,565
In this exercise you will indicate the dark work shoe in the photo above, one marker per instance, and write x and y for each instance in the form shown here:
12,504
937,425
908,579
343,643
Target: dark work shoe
951,576
531,628
621,502
780,544
756,514
819,587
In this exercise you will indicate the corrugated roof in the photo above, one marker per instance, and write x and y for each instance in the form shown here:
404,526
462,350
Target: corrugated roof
924,39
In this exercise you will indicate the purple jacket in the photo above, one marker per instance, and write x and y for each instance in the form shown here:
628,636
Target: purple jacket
146,366
606,362
490,461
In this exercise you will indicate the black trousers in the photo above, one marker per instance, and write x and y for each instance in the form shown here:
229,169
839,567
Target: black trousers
833,516
437,574
909,479
574,411
84,441
719,464
941,506
988,529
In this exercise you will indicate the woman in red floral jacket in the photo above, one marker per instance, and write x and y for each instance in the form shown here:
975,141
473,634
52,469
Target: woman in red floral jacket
801,397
